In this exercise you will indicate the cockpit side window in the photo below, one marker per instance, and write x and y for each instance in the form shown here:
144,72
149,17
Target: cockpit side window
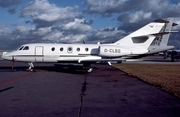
21,48
26,48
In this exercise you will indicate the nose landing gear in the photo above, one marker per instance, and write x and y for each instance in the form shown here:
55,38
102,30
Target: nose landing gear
31,67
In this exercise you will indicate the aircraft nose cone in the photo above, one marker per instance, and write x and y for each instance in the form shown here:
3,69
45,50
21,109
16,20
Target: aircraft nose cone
6,56
3,56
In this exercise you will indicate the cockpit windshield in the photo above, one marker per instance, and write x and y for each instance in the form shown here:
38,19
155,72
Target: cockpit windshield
24,48
21,48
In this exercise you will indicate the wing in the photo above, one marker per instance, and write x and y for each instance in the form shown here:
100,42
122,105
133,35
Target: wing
98,59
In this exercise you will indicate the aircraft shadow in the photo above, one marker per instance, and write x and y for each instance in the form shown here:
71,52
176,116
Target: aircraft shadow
64,68
73,69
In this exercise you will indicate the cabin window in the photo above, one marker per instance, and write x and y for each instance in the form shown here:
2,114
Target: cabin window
21,47
69,50
78,49
61,49
86,49
53,48
26,48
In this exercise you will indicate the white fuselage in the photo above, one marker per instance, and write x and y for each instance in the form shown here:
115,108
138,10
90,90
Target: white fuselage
42,52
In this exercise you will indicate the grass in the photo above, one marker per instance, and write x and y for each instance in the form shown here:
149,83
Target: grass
166,77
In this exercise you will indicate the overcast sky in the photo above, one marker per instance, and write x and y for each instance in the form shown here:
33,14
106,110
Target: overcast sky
56,21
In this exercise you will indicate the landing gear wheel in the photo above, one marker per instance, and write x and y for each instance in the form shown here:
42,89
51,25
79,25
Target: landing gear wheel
87,67
90,70
31,70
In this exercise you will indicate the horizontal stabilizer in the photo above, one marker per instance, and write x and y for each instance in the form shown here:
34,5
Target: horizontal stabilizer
154,34
161,21
164,21
163,33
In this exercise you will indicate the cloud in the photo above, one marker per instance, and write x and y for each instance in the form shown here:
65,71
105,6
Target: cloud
11,39
108,34
78,26
106,7
88,22
133,14
53,36
138,16
53,24
11,5
49,23
74,38
72,32
130,8
174,39
12,10
49,14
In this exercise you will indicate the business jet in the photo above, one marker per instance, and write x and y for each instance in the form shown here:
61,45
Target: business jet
134,44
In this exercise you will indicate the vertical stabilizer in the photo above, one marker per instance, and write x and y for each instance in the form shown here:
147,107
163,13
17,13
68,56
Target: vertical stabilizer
163,39
168,27
143,37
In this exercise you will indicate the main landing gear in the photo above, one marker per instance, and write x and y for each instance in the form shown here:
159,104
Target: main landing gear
87,67
90,70
31,67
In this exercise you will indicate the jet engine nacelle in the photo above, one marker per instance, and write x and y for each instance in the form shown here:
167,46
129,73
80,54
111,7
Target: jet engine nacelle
113,51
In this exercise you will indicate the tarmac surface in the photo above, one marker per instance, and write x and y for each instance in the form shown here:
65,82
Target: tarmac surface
63,90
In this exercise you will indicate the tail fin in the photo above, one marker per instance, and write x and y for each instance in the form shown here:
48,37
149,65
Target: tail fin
160,42
143,37
163,39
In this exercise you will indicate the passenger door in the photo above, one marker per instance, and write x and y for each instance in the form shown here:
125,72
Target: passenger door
39,53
